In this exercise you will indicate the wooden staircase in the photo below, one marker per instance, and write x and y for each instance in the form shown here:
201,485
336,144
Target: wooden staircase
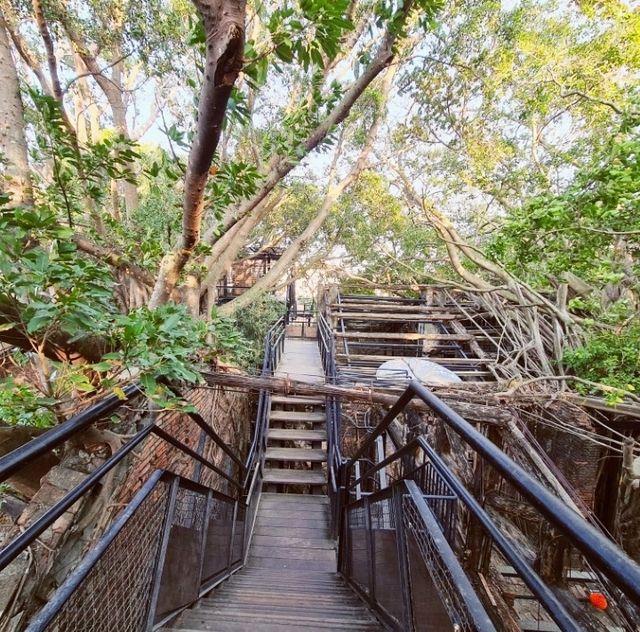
295,455
289,581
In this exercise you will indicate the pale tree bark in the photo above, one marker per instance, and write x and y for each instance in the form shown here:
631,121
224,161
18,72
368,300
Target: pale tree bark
514,289
90,108
113,91
16,179
22,48
279,270
224,23
41,23
279,167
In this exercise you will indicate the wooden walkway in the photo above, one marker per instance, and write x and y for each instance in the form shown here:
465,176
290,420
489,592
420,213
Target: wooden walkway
290,580
301,361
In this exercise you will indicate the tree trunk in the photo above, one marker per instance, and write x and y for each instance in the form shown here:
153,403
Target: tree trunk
277,274
224,24
495,415
279,167
13,144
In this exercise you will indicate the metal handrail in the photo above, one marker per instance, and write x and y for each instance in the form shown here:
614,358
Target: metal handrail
49,611
29,535
622,570
618,568
247,487
18,458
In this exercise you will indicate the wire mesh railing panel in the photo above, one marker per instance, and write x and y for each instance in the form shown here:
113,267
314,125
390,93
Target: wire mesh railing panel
219,530
116,593
428,549
439,496
359,560
180,582
387,583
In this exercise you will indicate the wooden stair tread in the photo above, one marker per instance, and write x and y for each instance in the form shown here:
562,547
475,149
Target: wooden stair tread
294,415
296,401
243,615
295,454
294,477
298,499
293,434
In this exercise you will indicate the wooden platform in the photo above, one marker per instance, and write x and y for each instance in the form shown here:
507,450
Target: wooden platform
301,361
290,581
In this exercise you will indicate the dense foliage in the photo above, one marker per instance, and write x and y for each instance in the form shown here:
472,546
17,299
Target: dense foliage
511,126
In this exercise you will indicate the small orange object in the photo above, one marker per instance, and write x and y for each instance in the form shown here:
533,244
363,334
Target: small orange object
598,600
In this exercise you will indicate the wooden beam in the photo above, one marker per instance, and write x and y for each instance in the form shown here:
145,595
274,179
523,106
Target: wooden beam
395,316
381,335
383,358
394,308
475,412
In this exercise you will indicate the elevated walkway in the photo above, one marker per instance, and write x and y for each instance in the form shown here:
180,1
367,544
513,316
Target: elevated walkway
290,580
308,538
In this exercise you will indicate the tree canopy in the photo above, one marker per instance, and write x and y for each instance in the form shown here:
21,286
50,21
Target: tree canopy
148,146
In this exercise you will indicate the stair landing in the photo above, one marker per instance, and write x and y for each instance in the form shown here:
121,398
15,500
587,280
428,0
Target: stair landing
301,361
290,580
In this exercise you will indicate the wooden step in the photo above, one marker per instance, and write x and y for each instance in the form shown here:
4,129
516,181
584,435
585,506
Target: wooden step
304,609
381,335
352,615
294,477
296,416
268,498
279,553
283,400
258,621
293,434
295,454
241,626
286,564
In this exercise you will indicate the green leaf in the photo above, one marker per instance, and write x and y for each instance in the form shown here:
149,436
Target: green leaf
119,393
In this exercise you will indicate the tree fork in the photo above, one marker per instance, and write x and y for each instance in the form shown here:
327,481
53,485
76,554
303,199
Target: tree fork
224,24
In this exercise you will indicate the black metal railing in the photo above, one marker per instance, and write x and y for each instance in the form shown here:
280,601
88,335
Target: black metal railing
417,471
174,541
335,460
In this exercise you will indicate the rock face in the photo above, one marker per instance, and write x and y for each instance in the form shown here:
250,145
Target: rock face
425,371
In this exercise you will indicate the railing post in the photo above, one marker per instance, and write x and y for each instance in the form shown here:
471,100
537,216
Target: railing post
233,536
162,553
205,535
370,547
403,560
342,517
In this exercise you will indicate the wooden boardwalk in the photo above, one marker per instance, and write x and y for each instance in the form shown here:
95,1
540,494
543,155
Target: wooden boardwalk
290,580
301,361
